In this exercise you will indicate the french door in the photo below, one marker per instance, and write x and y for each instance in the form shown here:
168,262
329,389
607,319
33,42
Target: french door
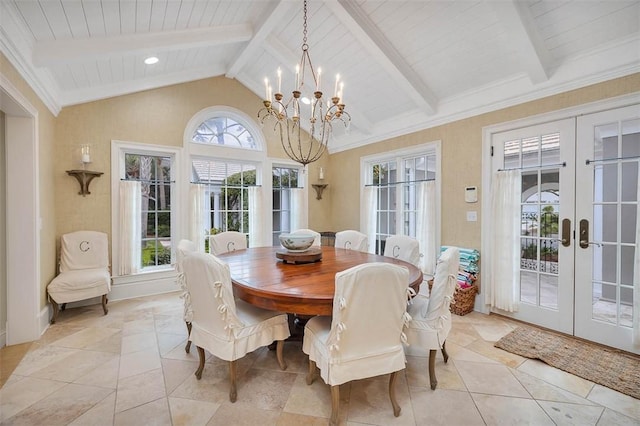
607,237
544,155
580,223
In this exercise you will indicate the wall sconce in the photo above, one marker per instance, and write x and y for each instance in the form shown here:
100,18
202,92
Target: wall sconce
84,176
319,187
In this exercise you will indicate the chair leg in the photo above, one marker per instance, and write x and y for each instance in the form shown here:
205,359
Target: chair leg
55,311
445,355
279,355
201,366
187,348
104,304
392,393
432,369
335,405
233,393
63,306
311,376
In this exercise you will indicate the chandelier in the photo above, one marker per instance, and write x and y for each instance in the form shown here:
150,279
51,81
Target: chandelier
305,110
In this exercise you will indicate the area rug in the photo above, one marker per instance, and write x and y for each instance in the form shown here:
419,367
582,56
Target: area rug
608,367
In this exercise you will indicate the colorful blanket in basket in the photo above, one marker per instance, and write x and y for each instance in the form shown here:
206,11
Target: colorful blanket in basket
468,258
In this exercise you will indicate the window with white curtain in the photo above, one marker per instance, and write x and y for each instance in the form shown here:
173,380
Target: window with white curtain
154,218
226,163
395,179
284,179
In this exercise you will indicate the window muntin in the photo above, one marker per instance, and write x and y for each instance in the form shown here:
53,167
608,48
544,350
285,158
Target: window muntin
154,173
396,180
227,192
224,131
283,180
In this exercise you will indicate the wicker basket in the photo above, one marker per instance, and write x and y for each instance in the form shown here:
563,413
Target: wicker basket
463,299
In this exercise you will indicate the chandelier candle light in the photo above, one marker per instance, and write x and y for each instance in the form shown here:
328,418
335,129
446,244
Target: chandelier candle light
290,117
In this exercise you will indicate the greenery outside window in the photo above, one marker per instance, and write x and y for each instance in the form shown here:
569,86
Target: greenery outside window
154,174
226,185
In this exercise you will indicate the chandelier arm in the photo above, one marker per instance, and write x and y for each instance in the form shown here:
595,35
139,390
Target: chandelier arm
289,150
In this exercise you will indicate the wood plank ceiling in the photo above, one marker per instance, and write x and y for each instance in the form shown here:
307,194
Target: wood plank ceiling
406,64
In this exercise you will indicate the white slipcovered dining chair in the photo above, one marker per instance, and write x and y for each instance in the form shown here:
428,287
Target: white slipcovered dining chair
316,235
404,248
84,270
352,240
430,317
185,247
227,241
227,328
364,337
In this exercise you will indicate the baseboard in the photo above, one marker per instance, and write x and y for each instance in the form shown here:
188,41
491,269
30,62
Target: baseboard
3,338
143,285
44,318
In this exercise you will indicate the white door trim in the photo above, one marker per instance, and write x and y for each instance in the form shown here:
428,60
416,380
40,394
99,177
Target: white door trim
23,213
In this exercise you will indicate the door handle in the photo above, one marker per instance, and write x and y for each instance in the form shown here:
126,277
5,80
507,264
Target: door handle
584,235
566,232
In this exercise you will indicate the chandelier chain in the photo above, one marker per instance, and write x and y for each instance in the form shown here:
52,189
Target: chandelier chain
305,46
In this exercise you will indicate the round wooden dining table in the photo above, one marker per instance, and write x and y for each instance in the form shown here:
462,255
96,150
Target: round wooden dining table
263,280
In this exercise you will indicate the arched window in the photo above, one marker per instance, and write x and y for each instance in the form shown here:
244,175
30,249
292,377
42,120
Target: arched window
225,131
216,128
231,178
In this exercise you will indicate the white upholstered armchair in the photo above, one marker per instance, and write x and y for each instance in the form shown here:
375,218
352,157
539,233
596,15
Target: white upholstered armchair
430,317
364,337
227,328
84,270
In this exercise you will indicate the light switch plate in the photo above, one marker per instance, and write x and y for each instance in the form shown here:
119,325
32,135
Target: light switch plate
472,216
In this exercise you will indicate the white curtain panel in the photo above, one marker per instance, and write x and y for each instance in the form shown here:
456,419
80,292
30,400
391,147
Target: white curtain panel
636,272
256,217
298,212
368,213
505,241
198,202
129,232
426,225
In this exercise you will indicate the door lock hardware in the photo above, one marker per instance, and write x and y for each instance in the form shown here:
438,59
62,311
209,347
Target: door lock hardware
584,235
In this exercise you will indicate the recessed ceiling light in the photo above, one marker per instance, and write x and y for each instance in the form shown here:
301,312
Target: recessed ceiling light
151,60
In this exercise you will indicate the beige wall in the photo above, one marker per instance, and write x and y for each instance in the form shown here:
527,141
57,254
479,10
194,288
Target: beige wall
155,116
46,148
461,160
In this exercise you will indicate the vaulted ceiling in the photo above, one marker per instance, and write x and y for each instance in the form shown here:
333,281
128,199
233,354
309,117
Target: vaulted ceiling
406,65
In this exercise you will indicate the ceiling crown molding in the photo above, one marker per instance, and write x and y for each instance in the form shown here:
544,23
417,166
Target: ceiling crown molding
40,81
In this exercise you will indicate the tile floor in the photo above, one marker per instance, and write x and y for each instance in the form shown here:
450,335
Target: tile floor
130,368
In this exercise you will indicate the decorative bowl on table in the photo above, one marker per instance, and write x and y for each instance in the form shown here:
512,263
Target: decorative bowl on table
296,242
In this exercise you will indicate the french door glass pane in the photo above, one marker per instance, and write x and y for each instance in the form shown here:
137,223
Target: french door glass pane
528,287
549,291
